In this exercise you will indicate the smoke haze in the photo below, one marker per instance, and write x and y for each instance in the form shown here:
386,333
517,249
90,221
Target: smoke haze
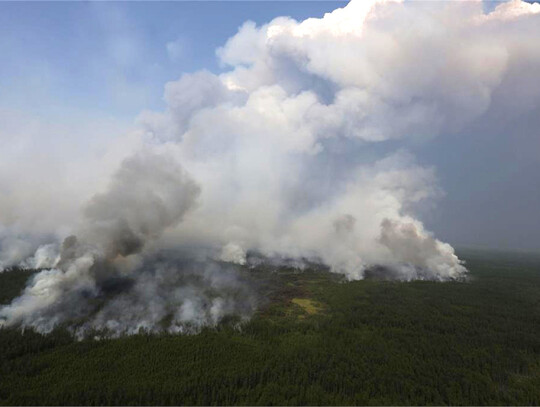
298,150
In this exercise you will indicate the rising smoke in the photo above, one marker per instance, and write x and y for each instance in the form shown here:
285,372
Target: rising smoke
297,151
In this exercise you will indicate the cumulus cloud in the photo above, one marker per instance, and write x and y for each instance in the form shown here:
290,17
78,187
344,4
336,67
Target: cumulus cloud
297,151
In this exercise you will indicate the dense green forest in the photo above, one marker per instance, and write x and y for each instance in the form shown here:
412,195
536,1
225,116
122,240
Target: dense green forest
317,340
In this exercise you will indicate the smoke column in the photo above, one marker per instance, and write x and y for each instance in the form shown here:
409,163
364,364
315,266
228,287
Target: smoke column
297,151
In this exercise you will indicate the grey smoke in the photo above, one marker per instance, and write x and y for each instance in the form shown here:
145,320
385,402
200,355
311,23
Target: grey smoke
148,194
172,295
298,152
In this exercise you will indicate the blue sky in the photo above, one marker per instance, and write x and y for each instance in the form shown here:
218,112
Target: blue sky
115,57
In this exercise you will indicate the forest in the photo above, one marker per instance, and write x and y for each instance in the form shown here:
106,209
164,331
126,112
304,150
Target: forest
317,340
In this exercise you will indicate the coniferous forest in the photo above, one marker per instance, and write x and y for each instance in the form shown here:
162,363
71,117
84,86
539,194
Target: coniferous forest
317,340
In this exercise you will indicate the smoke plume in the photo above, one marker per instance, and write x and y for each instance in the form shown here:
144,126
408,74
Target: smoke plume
148,194
297,151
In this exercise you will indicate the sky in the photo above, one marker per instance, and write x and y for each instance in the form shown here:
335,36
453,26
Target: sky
115,57
76,72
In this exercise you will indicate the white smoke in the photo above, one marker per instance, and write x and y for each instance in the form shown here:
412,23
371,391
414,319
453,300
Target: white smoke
46,256
14,250
233,253
148,194
298,151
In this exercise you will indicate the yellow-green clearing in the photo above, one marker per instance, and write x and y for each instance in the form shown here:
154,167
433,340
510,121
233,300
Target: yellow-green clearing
311,307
